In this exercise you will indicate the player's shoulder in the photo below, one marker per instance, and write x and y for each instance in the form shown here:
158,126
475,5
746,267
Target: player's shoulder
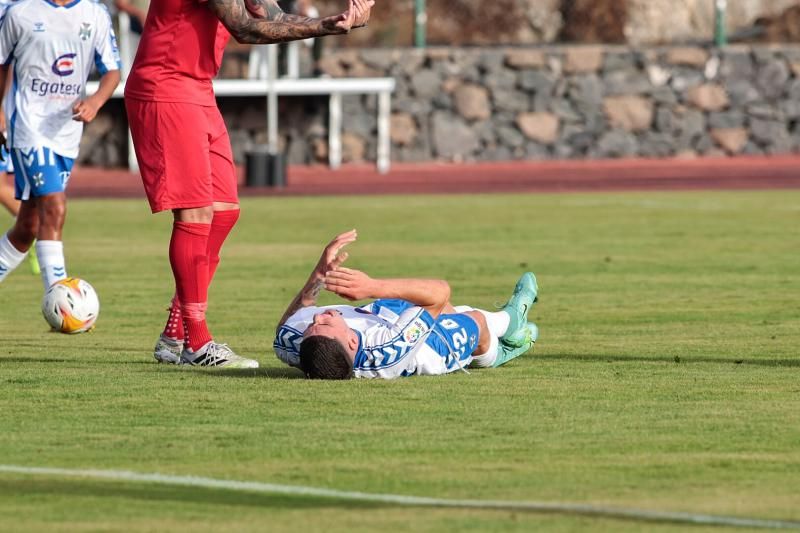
9,7
98,7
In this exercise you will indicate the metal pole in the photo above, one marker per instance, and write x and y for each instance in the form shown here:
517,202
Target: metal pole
420,23
272,100
720,33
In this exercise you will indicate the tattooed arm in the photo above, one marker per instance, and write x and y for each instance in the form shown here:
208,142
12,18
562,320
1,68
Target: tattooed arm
331,259
264,22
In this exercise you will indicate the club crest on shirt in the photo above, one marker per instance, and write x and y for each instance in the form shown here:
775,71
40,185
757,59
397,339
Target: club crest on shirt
85,31
38,27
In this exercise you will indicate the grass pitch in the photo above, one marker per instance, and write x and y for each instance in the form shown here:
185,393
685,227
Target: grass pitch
667,375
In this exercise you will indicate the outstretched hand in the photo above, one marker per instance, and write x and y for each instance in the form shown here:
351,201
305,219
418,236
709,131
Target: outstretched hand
331,257
349,283
356,16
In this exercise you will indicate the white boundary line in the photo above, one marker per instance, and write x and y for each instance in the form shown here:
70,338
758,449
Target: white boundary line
396,499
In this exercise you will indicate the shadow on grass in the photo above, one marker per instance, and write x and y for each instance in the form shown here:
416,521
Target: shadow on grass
588,358
82,488
244,373
33,360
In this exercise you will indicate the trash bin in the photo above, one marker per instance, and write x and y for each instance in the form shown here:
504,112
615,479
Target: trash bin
264,169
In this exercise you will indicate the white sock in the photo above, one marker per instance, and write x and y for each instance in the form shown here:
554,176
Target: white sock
51,261
486,360
10,257
498,322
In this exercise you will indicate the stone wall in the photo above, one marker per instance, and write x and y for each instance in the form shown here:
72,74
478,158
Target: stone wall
476,104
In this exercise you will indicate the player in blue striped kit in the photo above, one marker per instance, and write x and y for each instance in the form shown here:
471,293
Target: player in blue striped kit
53,46
410,329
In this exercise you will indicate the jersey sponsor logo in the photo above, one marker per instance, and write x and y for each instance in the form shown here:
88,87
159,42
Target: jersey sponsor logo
38,27
64,65
85,32
56,89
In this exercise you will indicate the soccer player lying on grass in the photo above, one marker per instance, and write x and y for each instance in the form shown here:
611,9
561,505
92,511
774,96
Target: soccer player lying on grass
410,328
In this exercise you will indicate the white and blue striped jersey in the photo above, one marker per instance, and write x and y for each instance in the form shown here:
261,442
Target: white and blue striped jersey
53,49
393,340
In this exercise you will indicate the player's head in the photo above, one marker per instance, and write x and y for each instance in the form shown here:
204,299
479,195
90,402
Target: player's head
324,358
329,347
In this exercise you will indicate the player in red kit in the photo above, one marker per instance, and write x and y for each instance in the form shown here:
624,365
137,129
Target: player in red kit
183,148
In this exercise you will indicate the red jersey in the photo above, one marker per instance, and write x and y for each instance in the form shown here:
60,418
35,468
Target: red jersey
179,53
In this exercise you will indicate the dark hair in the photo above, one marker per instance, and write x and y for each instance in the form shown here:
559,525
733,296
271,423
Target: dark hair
324,358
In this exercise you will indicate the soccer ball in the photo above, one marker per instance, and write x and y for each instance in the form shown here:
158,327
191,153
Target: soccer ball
71,306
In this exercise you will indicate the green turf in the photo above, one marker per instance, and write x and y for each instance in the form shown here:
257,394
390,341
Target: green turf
666,377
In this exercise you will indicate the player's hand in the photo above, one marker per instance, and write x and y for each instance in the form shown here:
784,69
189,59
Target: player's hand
357,14
85,110
331,257
349,283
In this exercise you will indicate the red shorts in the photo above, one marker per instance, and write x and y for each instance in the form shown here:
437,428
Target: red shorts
184,154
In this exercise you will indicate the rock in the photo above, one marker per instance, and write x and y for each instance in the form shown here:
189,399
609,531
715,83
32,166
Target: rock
631,113
654,144
426,83
583,59
565,111
511,100
539,127
510,137
683,78
534,150
687,56
472,102
616,60
500,79
708,97
450,85
736,65
536,81
741,92
438,53
726,120
403,129
772,78
626,82
525,58
768,132
732,140
791,109
616,143
764,110
587,93
453,139
354,148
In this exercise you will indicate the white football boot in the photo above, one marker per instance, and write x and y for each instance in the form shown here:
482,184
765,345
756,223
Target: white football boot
168,350
217,356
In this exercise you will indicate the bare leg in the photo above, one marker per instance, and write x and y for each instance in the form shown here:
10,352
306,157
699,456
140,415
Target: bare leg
485,336
24,231
52,214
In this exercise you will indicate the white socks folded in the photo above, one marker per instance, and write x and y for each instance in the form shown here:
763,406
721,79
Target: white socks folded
51,261
10,257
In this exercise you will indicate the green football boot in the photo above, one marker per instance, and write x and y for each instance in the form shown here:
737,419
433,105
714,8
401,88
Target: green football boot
523,340
523,298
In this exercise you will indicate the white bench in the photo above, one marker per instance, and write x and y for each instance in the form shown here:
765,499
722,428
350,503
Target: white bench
335,88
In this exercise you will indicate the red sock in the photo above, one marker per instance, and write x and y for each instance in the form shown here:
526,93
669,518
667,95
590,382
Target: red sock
174,327
221,226
187,256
